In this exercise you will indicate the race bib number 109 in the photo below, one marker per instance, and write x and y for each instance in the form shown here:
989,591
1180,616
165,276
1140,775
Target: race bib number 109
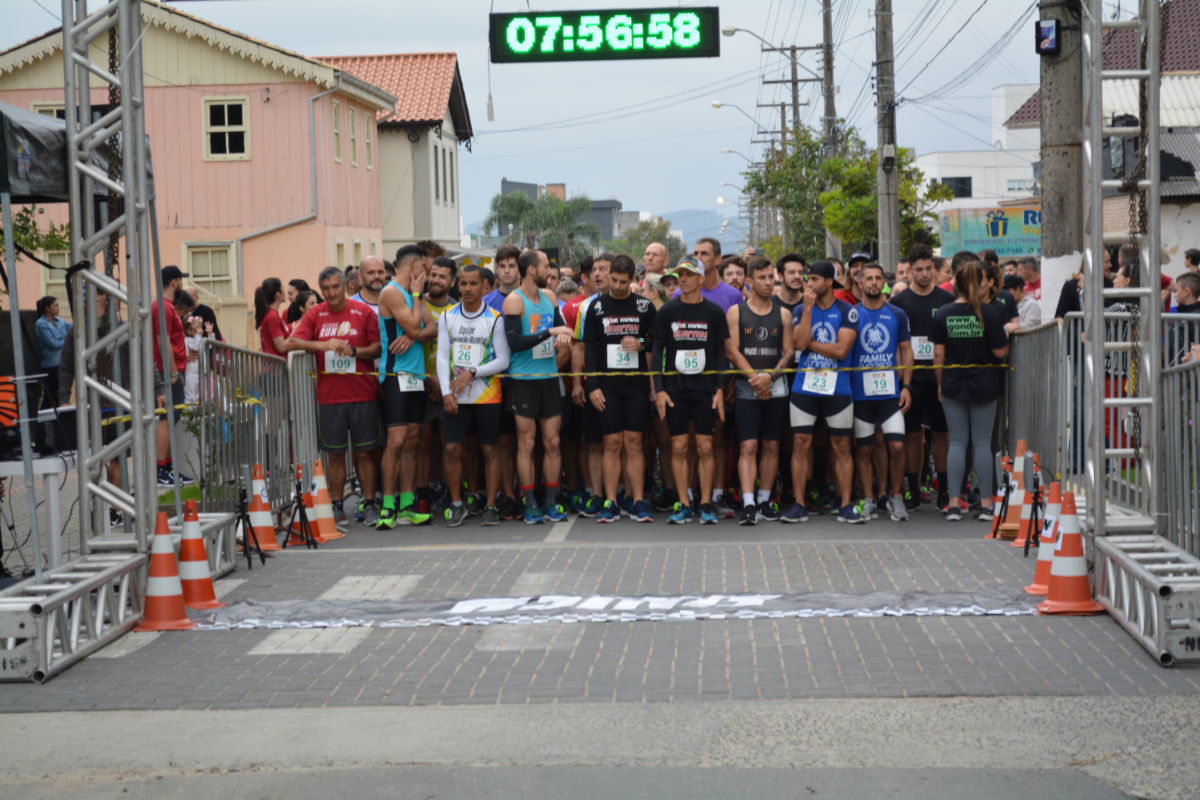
342,365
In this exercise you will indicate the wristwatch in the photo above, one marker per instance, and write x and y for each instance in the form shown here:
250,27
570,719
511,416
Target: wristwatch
353,351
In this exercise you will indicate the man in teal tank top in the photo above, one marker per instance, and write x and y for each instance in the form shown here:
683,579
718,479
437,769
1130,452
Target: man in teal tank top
404,323
540,342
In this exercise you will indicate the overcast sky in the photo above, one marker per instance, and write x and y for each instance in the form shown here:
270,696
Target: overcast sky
665,153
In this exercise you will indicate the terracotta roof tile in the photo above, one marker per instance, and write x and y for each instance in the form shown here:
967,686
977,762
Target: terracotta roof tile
421,82
1180,54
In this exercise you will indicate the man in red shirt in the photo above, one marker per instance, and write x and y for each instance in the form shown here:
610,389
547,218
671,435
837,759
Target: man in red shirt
344,335
172,281
1031,273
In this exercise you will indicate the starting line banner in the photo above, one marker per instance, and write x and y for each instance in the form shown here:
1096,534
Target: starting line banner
607,608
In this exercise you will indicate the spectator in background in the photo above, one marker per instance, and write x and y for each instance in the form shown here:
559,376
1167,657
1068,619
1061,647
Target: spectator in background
733,272
489,279
1191,260
553,280
204,312
1187,293
655,258
295,286
943,271
273,331
567,290
1010,268
194,330
1029,313
353,280
903,271
299,307
52,332
960,258
168,378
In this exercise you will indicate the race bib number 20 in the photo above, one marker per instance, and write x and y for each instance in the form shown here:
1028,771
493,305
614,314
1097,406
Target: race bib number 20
922,348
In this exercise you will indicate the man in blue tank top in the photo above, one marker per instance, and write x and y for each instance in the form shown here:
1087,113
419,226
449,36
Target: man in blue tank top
824,331
404,324
539,341
881,395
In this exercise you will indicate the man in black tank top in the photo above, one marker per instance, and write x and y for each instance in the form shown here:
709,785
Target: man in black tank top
760,345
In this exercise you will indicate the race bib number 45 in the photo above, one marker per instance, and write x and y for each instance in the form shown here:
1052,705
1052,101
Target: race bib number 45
342,365
822,381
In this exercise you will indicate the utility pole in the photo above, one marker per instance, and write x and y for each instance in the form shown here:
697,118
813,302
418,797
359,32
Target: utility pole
833,245
887,170
1061,127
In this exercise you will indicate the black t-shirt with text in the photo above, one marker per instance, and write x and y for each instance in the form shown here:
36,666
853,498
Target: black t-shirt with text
969,342
608,321
689,338
920,310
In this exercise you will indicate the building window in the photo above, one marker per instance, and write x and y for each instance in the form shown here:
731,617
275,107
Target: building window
453,155
352,118
960,186
372,248
358,251
56,110
208,268
369,140
226,129
437,187
54,281
1020,185
340,254
445,172
337,131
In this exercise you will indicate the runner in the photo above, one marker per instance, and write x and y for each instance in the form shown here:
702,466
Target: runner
345,334
535,329
616,333
824,338
437,299
881,396
587,428
404,325
471,352
760,345
506,276
689,338
374,276
920,300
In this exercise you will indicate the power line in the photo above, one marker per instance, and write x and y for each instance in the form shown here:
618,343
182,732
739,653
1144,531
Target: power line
929,63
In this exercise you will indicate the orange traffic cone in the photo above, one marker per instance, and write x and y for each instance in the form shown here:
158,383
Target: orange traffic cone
194,572
322,505
1047,542
1027,520
1070,589
262,523
297,532
1017,518
164,592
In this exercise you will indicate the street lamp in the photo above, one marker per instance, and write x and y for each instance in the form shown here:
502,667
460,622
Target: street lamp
737,152
731,30
720,201
731,186
718,104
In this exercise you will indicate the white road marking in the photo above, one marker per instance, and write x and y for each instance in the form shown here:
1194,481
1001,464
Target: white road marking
559,530
543,636
372,587
310,641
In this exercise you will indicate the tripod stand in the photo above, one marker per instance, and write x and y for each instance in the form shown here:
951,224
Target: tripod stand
300,514
243,519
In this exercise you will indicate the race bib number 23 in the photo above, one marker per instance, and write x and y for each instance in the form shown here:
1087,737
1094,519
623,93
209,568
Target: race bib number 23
821,381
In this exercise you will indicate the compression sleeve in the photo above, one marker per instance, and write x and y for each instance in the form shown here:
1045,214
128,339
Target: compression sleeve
518,341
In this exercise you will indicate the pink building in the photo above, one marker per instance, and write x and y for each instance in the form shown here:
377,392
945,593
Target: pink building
265,160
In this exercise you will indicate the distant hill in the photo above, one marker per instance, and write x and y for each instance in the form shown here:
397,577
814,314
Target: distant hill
694,222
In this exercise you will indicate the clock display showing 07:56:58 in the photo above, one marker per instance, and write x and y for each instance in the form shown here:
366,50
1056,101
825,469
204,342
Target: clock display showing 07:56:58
593,35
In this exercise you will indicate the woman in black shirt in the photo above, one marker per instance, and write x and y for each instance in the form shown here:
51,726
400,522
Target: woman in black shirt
969,331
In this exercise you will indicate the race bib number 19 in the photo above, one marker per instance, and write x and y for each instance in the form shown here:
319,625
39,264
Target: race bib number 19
822,381
881,383
342,365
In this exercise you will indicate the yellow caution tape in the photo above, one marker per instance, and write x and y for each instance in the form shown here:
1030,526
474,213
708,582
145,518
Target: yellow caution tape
632,373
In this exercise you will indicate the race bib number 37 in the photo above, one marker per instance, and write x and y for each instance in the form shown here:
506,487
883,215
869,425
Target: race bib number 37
342,365
544,349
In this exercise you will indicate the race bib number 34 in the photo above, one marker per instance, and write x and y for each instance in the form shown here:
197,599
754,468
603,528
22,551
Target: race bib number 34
620,358
822,381
690,362
342,365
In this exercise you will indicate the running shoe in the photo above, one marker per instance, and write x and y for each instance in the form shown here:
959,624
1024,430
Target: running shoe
952,514
474,504
749,516
388,519
115,519
508,508
360,513
850,515
794,513
413,516
642,512
767,512
911,501
722,510
165,479
681,516
664,500
899,509
555,513
985,514
943,500
625,503
339,512
422,508
591,507
609,512
708,514
533,515
370,514
455,515
490,516
865,508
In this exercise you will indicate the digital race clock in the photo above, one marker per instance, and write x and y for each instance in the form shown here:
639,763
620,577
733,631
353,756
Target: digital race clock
615,33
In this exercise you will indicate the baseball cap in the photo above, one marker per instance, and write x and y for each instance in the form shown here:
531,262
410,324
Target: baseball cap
690,264
171,273
858,257
824,269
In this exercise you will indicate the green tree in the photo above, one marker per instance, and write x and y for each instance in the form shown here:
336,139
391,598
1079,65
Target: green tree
545,222
27,233
851,205
634,242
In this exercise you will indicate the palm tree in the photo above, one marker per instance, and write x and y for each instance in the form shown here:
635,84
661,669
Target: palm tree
546,222
511,211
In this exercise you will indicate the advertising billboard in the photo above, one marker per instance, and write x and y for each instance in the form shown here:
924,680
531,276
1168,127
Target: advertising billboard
1012,232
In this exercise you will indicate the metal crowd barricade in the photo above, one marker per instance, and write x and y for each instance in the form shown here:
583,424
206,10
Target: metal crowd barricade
1181,435
1035,407
302,397
243,408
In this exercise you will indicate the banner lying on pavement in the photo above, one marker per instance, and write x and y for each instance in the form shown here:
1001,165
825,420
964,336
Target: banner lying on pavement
607,608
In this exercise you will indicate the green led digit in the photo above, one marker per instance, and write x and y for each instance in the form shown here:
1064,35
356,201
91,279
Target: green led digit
619,32
520,35
687,29
660,31
589,26
550,26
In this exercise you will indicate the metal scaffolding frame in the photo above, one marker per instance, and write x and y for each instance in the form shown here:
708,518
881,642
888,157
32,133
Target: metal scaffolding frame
1144,346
